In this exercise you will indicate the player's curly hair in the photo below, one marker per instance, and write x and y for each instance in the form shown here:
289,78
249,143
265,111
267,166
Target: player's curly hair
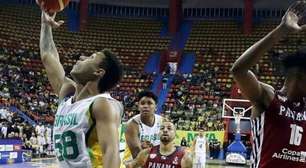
147,93
113,71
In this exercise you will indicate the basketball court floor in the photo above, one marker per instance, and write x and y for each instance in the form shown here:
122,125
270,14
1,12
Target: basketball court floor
51,163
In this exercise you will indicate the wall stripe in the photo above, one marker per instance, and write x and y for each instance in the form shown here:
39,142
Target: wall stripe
257,125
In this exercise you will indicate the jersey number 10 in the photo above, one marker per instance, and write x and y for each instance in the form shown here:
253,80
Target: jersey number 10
296,135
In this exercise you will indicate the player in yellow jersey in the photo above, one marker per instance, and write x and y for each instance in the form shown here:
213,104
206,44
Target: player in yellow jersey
87,119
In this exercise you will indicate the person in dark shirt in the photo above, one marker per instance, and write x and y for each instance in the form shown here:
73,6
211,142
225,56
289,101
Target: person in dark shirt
184,142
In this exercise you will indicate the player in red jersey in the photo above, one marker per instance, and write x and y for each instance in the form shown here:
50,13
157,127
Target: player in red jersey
278,117
164,155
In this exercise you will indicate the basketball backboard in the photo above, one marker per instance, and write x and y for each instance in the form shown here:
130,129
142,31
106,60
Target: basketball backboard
234,106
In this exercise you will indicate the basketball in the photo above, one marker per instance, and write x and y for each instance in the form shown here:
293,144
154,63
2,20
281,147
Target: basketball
53,5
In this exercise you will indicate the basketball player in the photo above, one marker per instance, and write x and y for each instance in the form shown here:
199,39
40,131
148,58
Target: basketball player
86,123
142,130
164,155
40,141
278,117
37,129
42,138
199,148
49,139
48,134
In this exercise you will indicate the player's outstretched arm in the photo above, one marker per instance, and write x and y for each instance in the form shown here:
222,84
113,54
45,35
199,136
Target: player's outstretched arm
107,123
257,92
187,160
140,160
132,138
49,54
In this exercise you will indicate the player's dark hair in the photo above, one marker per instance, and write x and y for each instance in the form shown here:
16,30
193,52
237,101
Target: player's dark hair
113,71
294,60
147,93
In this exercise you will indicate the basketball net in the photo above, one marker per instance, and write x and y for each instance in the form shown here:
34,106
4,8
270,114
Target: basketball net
237,116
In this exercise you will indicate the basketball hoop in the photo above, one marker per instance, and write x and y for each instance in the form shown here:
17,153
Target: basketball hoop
233,106
237,117
237,110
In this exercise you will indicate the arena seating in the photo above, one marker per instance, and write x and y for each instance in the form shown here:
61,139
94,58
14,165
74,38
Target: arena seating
216,43
133,40
220,43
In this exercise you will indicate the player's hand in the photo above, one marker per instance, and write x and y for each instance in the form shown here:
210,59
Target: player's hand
146,144
293,16
47,19
127,164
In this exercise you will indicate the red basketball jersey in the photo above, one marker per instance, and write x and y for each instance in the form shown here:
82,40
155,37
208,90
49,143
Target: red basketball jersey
279,139
156,160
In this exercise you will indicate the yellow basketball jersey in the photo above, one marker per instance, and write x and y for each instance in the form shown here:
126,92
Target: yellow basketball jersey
75,135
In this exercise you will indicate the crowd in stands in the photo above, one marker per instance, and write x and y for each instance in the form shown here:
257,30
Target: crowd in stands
36,138
128,96
23,82
195,101
23,86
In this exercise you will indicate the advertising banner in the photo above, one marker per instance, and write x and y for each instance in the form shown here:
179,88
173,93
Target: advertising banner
11,152
189,135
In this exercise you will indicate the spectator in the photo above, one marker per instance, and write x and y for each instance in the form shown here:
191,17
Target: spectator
216,149
34,144
4,130
173,67
184,142
165,81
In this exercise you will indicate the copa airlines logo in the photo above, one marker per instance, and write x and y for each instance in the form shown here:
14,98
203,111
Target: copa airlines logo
286,154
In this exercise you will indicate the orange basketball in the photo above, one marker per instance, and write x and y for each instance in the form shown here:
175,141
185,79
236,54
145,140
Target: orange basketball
53,5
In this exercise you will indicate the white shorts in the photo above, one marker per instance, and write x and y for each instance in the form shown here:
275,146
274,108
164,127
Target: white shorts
49,140
200,158
41,140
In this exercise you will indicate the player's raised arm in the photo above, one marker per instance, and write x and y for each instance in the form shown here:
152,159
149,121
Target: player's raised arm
132,139
49,54
259,93
140,160
107,123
